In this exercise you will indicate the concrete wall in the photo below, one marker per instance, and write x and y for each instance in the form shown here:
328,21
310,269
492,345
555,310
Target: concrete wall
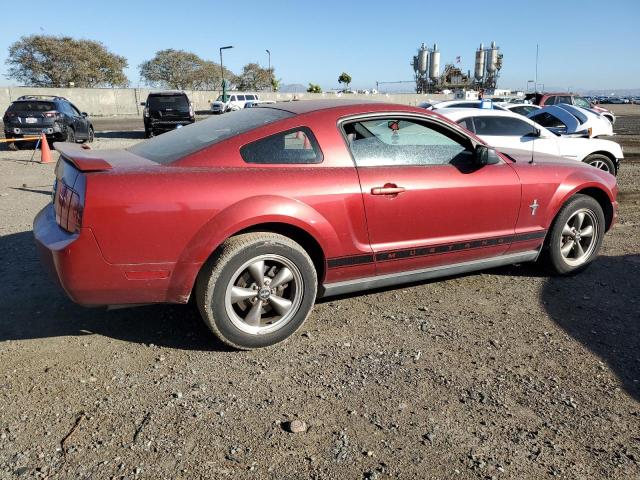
126,101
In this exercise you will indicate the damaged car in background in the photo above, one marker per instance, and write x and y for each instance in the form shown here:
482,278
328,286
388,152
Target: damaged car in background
56,117
165,111
520,137
570,120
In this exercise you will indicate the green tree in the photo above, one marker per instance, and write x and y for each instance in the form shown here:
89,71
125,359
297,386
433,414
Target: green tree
275,82
182,70
313,88
254,77
344,78
50,61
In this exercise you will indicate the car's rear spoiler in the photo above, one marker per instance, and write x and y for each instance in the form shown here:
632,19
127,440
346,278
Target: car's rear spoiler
84,160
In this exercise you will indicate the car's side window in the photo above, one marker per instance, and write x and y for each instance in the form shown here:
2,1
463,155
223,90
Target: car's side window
550,100
524,110
66,108
241,97
297,146
75,110
564,99
501,126
549,121
467,123
398,142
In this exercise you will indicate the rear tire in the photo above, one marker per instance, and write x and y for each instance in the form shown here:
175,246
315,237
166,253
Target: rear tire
71,135
257,290
601,162
575,237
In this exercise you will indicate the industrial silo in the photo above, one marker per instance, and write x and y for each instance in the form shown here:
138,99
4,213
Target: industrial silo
479,67
434,65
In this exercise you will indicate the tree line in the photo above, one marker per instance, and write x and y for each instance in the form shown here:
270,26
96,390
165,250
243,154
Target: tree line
51,61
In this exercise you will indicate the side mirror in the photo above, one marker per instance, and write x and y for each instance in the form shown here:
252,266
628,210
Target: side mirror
484,155
142,104
85,114
536,132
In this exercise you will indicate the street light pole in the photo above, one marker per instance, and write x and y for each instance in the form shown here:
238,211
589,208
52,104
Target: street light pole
224,88
270,74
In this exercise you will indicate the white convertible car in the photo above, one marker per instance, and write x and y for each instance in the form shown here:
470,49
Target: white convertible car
520,137
571,120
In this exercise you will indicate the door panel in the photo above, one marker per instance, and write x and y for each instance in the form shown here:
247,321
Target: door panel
427,203
519,146
444,215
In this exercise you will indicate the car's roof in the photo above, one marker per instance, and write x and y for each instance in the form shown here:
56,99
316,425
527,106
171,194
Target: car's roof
307,106
509,106
32,100
452,102
168,93
458,113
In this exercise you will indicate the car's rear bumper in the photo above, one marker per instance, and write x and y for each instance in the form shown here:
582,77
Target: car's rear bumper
76,263
168,124
18,132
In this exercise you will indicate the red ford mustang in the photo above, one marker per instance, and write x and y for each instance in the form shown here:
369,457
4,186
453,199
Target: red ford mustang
259,212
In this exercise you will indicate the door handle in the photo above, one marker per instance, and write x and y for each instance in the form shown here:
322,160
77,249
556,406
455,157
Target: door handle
388,189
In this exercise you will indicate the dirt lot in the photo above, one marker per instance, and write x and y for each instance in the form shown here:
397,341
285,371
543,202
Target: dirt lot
503,374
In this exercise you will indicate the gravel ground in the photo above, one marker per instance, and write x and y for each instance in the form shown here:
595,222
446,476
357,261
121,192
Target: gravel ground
506,374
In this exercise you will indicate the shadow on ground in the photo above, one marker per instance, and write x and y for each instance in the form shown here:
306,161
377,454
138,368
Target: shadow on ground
32,306
599,307
120,134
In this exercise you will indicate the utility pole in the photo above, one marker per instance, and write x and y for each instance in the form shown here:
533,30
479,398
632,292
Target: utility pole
536,84
270,74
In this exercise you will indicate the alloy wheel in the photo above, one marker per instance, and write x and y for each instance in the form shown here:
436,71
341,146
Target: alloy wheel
579,237
264,294
599,164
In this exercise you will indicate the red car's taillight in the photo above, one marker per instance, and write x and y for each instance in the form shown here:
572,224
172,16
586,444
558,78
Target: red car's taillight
68,208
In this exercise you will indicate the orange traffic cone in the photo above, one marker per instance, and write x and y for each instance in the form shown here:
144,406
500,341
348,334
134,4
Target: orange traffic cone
44,150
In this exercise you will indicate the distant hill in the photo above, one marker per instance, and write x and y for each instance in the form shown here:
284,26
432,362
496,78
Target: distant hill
623,92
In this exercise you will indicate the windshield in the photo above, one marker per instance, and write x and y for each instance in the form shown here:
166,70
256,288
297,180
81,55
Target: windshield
31,106
181,142
581,102
222,98
163,102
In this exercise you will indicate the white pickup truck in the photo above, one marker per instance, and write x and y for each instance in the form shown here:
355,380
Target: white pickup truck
233,101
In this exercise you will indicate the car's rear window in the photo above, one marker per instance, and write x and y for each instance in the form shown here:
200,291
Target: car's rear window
176,102
35,106
181,142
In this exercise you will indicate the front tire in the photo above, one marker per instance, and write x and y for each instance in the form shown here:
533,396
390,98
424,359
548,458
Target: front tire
601,162
257,290
575,236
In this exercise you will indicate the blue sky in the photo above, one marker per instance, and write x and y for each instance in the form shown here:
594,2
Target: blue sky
585,44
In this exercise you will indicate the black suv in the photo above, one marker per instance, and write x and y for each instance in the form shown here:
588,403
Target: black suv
164,111
56,117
